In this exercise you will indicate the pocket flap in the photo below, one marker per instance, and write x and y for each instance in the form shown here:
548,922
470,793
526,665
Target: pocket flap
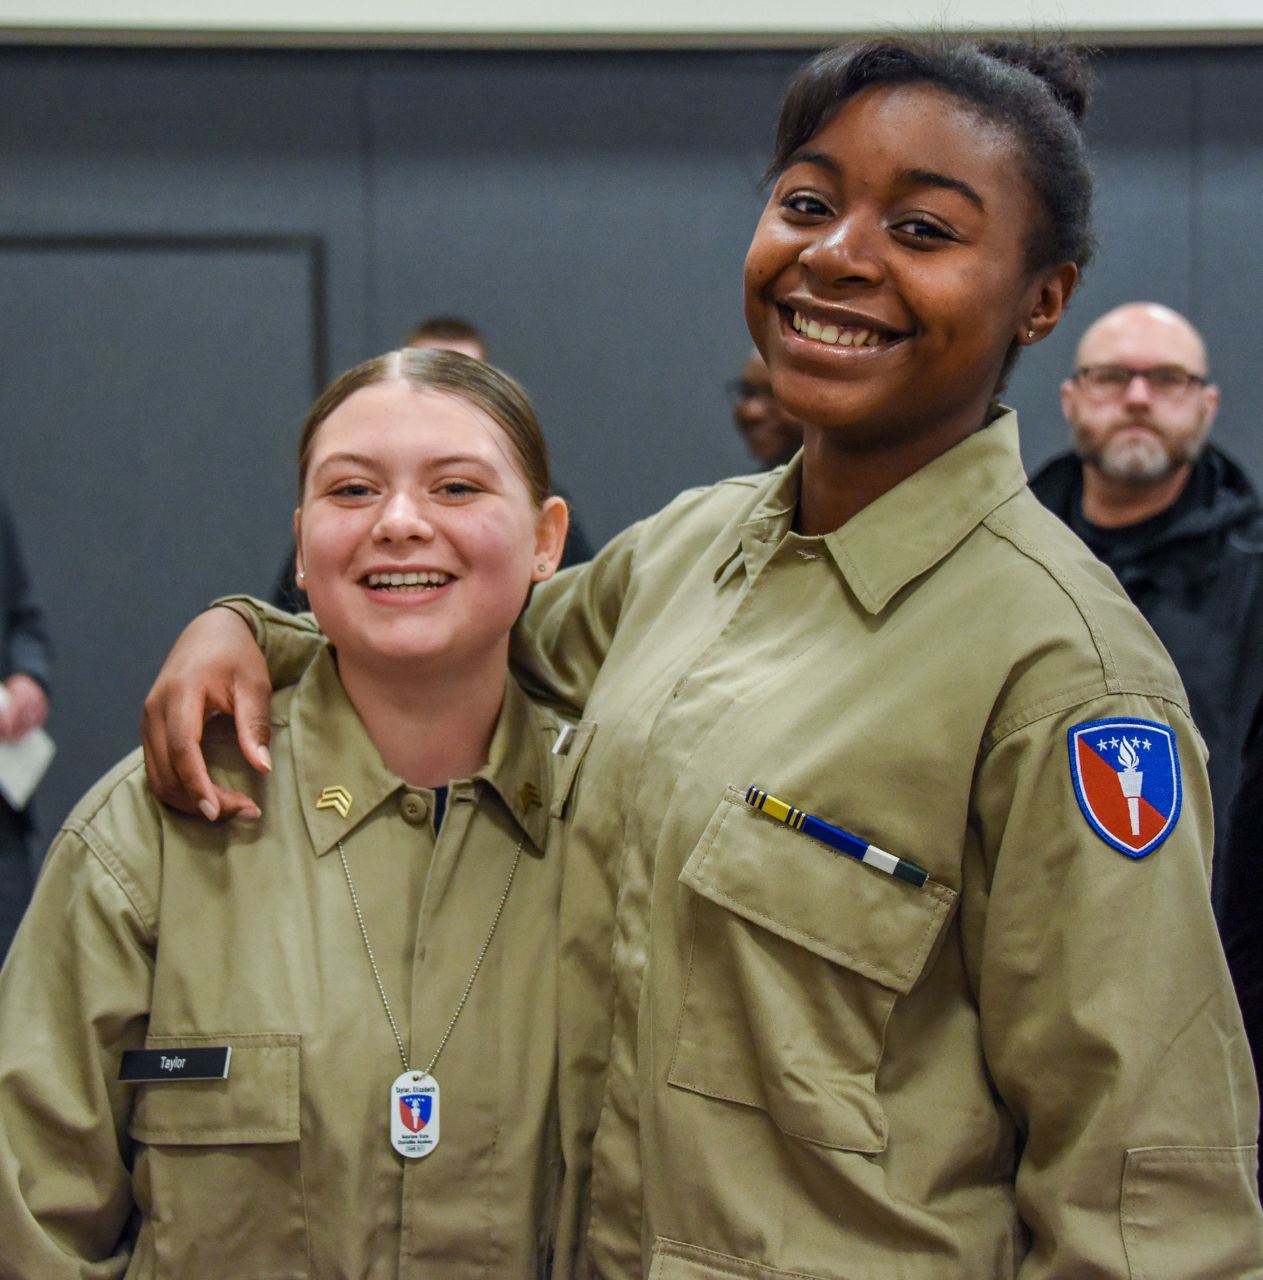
258,1102
832,905
1186,1211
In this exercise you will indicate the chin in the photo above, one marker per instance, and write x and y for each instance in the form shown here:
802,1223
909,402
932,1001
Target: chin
1138,461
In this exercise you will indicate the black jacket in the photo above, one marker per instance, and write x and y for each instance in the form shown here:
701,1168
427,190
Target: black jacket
1242,920
24,648
1196,572
24,645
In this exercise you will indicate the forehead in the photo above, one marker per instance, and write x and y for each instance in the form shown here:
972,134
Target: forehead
1142,338
920,127
391,418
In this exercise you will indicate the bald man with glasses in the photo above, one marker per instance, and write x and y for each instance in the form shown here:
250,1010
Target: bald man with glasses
1176,519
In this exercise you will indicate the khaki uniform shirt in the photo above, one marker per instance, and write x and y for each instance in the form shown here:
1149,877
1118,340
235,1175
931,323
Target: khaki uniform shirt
793,1064
153,929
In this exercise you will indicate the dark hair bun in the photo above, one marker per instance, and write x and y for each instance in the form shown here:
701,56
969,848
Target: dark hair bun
1065,69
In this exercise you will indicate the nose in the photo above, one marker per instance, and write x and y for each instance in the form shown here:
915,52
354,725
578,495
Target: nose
401,518
1138,390
846,249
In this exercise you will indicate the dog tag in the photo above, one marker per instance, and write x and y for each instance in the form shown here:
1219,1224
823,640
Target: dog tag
414,1114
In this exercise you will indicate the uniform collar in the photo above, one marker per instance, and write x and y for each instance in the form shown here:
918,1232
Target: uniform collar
342,778
907,530
518,764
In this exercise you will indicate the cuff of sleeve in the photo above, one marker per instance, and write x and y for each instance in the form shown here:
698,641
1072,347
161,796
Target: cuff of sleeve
242,607
288,641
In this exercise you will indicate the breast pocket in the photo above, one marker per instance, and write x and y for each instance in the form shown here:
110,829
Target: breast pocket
798,955
218,1176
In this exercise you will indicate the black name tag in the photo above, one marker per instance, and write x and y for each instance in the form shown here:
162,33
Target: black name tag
143,1066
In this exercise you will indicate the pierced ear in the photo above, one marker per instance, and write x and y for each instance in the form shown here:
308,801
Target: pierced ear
1054,293
550,538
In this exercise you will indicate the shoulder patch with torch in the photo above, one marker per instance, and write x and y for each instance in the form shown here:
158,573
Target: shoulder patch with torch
1127,779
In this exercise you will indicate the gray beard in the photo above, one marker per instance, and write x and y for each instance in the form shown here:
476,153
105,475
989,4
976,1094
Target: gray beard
1139,461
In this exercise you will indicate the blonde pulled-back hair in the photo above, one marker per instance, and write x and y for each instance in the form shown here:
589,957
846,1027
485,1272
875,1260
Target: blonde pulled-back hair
449,372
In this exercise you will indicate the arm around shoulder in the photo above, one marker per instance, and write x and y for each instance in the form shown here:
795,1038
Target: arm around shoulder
215,666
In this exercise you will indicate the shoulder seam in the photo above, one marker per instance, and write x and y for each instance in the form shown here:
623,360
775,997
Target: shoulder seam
1002,528
1070,698
115,869
82,828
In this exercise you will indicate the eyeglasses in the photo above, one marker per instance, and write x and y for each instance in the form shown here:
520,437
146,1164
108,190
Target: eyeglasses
739,391
1110,381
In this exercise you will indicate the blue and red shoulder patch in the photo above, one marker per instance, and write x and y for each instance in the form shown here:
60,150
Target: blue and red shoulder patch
1127,779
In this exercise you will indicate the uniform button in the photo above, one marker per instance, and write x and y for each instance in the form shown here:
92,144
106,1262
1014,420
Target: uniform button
415,808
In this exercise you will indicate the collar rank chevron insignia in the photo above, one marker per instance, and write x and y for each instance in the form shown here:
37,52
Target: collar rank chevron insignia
338,798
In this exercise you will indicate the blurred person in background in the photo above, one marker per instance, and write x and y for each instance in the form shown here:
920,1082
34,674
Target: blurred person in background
771,435
25,669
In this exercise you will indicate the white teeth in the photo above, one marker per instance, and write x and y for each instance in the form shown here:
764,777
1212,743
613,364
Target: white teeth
834,335
426,578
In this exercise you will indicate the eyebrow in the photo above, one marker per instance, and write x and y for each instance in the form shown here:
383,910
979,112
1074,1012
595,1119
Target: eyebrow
341,459
914,177
461,460
929,178
821,159
364,460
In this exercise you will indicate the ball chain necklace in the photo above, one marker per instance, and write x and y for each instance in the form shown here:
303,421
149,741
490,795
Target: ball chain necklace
414,1095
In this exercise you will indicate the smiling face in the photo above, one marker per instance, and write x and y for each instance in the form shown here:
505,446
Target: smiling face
888,275
417,536
1140,434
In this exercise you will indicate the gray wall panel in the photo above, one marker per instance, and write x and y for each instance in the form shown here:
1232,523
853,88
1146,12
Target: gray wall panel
191,143
138,436
1227,243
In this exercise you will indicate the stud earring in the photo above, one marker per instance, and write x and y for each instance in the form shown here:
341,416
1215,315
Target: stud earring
302,575
542,567
1030,333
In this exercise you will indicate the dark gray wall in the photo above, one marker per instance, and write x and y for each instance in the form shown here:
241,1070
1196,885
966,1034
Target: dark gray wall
190,241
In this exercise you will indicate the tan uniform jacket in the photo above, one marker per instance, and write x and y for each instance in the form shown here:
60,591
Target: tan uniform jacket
796,1065
153,929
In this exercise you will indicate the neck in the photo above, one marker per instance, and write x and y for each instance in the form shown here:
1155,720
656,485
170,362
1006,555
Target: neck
840,480
430,727
1112,503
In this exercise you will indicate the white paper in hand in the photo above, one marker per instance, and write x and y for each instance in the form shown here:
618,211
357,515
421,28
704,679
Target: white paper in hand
24,762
